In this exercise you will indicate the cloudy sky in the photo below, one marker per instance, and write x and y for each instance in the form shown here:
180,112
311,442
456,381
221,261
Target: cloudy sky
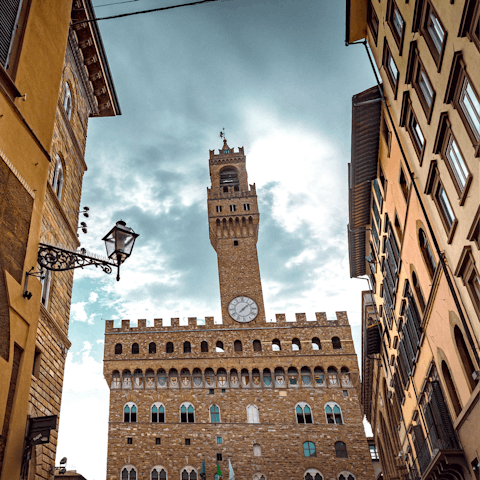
277,76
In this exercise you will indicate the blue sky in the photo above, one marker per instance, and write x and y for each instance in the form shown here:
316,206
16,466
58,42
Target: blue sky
277,76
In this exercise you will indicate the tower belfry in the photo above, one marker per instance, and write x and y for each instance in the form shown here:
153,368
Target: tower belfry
233,219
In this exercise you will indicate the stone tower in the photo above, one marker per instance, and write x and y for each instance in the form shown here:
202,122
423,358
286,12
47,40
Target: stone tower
233,223
277,399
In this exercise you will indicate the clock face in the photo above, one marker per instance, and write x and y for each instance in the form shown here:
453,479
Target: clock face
243,309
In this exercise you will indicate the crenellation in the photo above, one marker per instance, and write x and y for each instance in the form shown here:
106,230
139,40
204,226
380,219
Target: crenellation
109,325
280,318
192,322
125,325
157,323
175,323
300,318
142,324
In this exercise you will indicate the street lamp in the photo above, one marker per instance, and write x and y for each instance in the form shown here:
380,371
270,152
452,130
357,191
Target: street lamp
119,243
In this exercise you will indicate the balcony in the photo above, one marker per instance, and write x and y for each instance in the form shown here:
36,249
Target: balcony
436,457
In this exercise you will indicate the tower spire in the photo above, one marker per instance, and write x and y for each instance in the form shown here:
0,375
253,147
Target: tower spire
225,145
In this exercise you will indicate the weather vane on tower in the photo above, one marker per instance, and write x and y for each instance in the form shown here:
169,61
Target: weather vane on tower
222,135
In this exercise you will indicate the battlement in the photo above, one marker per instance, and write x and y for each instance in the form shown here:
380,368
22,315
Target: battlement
214,194
231,152
209,323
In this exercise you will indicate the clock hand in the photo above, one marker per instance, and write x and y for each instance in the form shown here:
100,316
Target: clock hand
243,309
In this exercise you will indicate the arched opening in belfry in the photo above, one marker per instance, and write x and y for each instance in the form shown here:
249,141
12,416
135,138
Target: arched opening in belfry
229,177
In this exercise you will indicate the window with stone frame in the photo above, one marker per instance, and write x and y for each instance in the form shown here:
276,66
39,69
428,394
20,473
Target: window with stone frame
336,343
448,148
309,449
152,348
187,413
333,413
462,93
402,180
67,100
390,67
135,348
436,190
58,177
189,473
257,450
372,20
130,413
158,473
432,30
427,253
253,414
346,476
214,414
408,119
296,345
158,413
118,349
418,77
276,346
187,347
467,270
341,450
169,347
237,346
204,347
303,413
316,345
396,24
470,22
128,473
257,346
312,474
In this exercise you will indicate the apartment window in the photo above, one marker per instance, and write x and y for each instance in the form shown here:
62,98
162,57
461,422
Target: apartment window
57,181
158,441
232,208
219,440
427,253
246,207
45,280
373,452
474,232
219,209
409,120
467,271
396,23
469,25
444,208
67,100
398,228
462,93
390,68
129,441
214,414
373,21
434,33
304,413
187,413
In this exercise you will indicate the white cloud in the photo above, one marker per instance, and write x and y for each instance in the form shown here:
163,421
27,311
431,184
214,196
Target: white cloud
78,313
92,298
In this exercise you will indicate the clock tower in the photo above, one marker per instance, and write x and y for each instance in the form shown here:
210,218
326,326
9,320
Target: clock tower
233,220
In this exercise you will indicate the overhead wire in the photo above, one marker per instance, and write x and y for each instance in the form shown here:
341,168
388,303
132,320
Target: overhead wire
141,12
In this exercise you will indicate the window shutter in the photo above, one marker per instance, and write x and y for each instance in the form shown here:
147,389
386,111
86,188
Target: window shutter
443,417
9,11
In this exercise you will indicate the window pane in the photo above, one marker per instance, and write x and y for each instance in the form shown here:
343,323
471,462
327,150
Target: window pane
183,409
336,409
307,409
457,163
392,67
416,132
436,31
397,21
471,107
426,88
445,205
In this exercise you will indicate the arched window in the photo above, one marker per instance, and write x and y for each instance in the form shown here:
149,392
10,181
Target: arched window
187,347
210,378
293,376
259,476
341,450
252,414
257,450
346,380
127,379
150,379
152,347
162,378
197,378
465,357
187,413
135,348
279,377
214,414
336,344
228,177
276,346
118,349
306,376
57,182
245,378
158,473
169,348
173,378
222,377
427,253
237,346
296,345
257,346
116,381
204,347
267,377
319,375
309,449
333,413
346,476
130,413
129,473
332,377
158,413
138,379
189,473
452,391
304,413
219,347
418,291
185,378
316,345
312,474
67,100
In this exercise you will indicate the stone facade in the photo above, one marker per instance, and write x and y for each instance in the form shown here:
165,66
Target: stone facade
260,394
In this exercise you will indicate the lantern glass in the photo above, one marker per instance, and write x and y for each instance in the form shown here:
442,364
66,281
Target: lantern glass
119,241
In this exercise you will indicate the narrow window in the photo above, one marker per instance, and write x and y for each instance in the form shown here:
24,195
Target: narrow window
152,348
373,21
403,184
67,100
457,164
396,23
129,441
246,206
470,106
452,391
237,346
341,450
336,343
135,348
118,349
296,345
257,346
390,68
257,450
434,33
191,414
304,413
187,442
444,206
427,253
316,345
219,208
398,228
309,449
169,348
204,347
373,452
187,347
219,457
465,357
219,347
219,440
276,347
232,208
252,414
235,243
158,441
418,291
214,414
416,134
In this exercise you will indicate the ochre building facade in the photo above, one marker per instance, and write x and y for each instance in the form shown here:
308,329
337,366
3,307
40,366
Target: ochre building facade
414,230
276,399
